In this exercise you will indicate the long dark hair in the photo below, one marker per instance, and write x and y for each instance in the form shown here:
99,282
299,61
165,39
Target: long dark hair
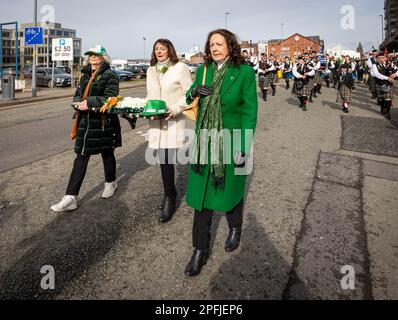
233,47
172,52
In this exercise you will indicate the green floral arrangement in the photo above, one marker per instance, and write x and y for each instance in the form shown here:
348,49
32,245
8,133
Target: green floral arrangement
164,69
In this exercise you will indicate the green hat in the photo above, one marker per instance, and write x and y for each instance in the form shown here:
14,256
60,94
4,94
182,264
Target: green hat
96,49
154,108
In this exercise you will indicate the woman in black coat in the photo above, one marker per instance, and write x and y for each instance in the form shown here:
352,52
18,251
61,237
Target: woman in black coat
98,133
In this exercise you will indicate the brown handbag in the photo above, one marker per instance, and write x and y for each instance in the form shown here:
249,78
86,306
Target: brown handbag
75,127
191,112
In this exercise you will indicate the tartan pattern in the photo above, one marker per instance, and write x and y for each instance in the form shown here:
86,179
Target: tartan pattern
384,95
312,82
344,94
373,84
318,78
305,91
269,80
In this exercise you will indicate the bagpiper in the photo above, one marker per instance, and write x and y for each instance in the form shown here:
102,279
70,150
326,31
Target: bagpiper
302,72
372,80
384,73
266,75
345,84
319,70
312,63
287,68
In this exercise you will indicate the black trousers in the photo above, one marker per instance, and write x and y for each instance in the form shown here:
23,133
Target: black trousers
167,169
80,168
202,225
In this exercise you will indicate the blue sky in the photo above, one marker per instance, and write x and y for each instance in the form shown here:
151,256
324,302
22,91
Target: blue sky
120,24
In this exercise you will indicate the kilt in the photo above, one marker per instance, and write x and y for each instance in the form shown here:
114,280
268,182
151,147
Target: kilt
312,82
344,94
305,91
288,75
269,79
384,95
318,78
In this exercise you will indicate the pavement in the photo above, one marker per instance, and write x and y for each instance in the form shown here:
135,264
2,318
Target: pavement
47,94
318,203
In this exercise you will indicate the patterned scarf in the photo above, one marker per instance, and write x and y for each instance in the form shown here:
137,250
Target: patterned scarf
210,121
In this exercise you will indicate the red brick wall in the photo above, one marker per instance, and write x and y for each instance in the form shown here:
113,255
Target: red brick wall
291,46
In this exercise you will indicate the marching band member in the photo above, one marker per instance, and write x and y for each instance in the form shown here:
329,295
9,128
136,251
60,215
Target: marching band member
372,80
287,68
345,82
301,88
266,75
385,74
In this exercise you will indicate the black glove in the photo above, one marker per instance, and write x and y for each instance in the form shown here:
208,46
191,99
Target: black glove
132,121
201,91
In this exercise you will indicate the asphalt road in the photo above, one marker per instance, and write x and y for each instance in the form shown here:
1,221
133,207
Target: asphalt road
319,204
36,131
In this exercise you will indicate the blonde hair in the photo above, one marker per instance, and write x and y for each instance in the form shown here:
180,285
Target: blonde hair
106,57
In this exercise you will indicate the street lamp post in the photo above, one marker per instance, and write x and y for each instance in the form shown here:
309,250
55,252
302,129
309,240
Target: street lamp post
143,38
34,85
282,24
382,27
226,19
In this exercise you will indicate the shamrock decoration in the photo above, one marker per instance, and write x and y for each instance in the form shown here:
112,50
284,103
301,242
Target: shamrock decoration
164,69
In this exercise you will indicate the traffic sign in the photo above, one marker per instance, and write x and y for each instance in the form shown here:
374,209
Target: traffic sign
62,49
33,36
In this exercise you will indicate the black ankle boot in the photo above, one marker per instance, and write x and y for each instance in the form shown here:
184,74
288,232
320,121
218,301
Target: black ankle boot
233,240
169,209
198,260
314,93
273,92
161,206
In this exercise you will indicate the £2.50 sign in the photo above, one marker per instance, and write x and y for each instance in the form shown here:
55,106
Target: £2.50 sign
62,49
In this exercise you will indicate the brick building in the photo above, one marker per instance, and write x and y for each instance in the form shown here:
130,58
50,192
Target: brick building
250,46
391,17
294,46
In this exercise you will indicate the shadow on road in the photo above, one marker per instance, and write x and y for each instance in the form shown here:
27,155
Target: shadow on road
256,271
73,241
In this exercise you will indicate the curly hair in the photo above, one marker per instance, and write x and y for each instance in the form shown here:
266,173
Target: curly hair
172,52
233,47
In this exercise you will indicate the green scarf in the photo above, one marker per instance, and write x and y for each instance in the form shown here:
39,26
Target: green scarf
211,121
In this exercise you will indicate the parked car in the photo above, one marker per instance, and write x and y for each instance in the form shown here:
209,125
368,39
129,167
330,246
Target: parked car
193,67
139,70
61,79
123,74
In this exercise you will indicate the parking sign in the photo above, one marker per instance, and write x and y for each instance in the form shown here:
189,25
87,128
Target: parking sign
33,36
62,49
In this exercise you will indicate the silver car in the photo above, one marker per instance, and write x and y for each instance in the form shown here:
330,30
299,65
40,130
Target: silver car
61,79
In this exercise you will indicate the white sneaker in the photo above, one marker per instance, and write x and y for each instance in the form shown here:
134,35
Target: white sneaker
110,189
68,203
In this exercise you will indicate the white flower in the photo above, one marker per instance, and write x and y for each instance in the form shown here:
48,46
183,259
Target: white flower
133,103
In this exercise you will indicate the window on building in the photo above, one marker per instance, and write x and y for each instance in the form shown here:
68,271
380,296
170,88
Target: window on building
52,32
59,33
66,34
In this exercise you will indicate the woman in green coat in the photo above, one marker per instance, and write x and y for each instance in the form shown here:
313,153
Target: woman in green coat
228,106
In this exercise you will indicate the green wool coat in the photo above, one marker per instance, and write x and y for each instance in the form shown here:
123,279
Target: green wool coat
239,111
98,132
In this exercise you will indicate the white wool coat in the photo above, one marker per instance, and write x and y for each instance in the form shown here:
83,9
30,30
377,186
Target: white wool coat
170,87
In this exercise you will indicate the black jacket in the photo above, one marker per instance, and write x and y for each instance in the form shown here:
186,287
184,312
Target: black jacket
97,132
347,80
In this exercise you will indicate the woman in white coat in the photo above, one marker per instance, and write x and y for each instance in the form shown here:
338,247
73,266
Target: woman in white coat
167,80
